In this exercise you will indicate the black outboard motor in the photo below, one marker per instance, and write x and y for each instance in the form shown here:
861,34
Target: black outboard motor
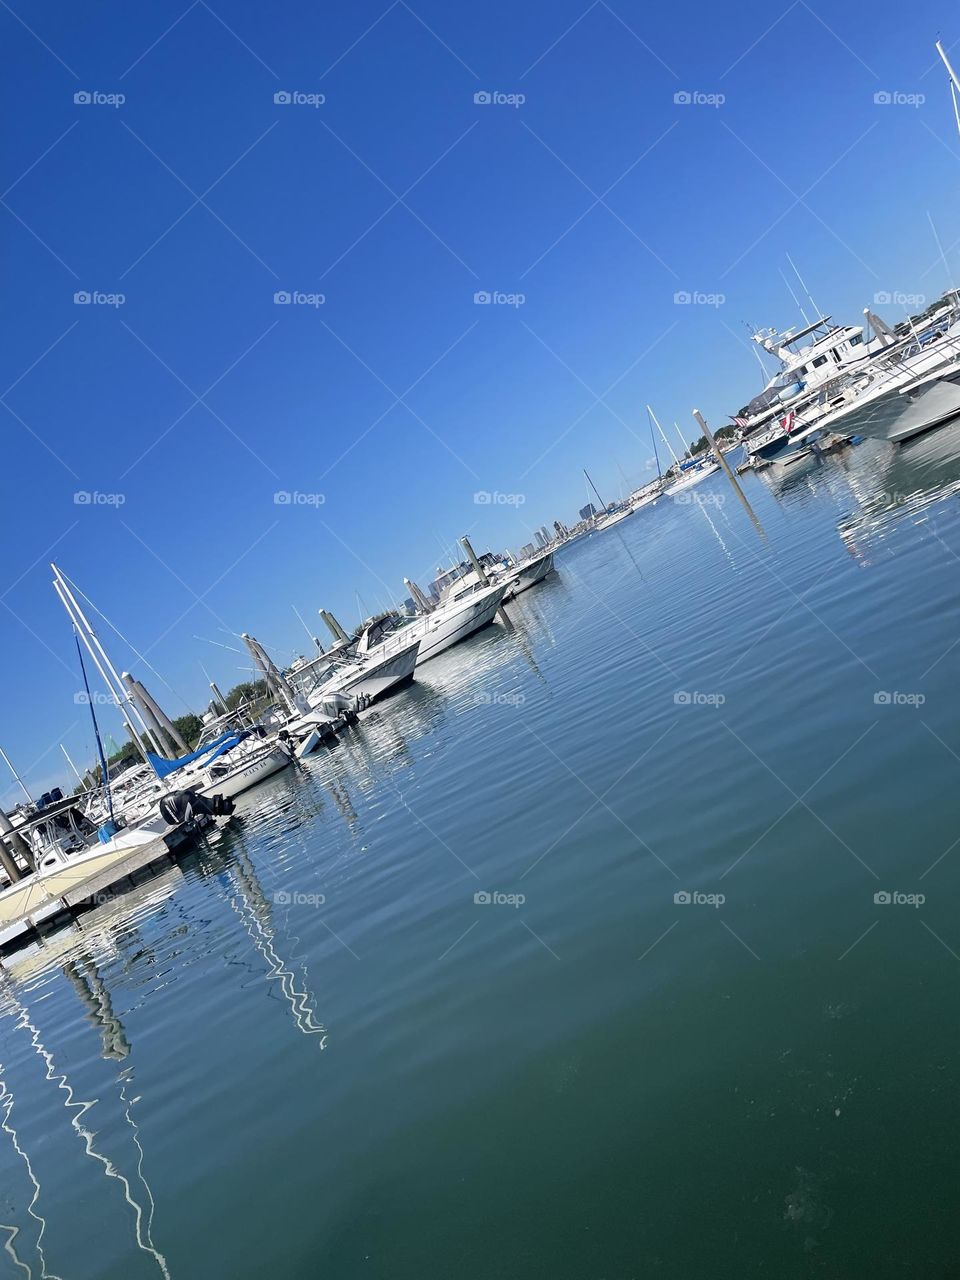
183,806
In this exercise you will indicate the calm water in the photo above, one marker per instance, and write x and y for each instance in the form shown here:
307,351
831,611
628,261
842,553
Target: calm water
223,1075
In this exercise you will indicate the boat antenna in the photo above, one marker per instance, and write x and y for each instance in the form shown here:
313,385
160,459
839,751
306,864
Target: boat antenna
816,309
806,319
654,439
96,728
603,505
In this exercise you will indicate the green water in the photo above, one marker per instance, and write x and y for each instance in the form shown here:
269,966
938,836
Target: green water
223,1076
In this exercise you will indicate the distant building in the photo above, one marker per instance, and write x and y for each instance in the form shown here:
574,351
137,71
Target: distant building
541,540
560,529
588,512
545,533
528,551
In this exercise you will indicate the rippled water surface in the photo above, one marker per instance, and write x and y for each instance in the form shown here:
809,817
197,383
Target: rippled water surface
677,1034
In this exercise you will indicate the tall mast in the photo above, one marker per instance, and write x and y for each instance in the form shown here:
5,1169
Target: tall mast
603,505
662,436
6,761
650,420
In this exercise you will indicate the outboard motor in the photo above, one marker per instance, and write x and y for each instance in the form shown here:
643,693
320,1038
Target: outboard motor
184,806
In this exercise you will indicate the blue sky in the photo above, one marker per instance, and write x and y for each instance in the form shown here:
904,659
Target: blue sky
187,407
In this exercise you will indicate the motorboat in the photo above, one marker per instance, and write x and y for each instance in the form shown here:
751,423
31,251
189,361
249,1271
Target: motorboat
463,609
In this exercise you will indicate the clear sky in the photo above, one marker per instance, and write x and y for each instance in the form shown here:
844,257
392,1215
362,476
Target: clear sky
582,192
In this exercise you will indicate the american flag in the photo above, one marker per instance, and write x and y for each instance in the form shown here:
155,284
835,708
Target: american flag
787,422
741,422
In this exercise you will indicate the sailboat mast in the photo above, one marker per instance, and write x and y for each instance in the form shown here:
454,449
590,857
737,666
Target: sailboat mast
603,505
663,436
653,439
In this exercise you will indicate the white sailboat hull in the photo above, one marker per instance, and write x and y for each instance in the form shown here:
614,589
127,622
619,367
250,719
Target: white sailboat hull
690,478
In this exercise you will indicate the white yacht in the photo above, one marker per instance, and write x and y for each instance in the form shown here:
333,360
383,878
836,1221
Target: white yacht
362,675
464,609
901,397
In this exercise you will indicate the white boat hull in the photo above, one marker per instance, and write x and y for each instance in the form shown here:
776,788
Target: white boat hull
246,774
379,677
691,478
897,415
440,634
529,575
31,894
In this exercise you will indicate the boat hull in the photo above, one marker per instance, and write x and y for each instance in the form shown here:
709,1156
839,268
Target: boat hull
380,677
689,480
247,775
897,415
477,613
35,891
530,575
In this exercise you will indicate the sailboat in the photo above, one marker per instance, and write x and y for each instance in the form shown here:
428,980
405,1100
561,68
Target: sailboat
690,471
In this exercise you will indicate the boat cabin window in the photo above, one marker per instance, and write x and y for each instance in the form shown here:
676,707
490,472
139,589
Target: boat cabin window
856,340
820,360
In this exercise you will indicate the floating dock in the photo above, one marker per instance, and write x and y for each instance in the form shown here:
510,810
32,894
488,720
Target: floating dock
135,867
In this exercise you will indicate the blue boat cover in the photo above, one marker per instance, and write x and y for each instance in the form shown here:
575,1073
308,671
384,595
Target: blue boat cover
225,742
